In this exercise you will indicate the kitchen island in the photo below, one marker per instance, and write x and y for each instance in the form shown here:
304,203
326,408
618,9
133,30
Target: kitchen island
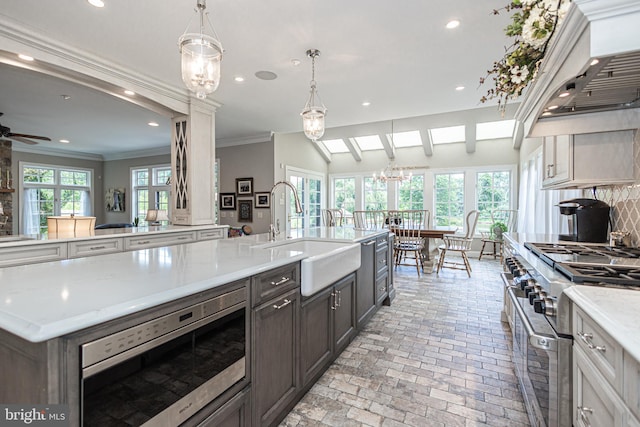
47,310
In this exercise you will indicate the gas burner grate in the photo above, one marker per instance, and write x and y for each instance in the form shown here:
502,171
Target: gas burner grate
601,274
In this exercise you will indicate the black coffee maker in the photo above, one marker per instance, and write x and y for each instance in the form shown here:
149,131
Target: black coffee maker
588,220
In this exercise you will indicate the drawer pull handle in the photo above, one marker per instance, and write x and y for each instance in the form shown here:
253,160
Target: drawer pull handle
284,304
368,243
95,248
281,281
182,238
583,411
339,298
143,242
586,338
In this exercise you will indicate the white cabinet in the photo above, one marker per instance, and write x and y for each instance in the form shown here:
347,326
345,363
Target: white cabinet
212,234
557,159
32,253
131,243
606,386
590,159
95,247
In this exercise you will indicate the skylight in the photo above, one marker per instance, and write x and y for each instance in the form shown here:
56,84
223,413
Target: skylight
495,130
367,143
335,146
406,139
448,134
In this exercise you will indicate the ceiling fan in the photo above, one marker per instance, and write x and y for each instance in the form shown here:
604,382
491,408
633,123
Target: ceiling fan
5,132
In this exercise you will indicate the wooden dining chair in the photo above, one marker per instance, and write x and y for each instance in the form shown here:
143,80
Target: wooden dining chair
408,244
460,244
369,220
332,217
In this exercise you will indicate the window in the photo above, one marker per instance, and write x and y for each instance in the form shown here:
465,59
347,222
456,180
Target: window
406,139
449,200
53,191
375,194
411,193
493,192
371,142
448,135
150,187
344,194
336,146
310,191
495,130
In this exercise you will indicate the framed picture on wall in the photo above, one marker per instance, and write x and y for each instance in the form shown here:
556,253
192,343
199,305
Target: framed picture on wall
114,200
262,200
245,210
244,186
228,201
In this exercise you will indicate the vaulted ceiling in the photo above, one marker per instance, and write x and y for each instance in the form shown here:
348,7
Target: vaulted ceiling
398,56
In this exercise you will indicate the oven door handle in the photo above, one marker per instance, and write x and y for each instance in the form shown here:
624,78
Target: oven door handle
541,341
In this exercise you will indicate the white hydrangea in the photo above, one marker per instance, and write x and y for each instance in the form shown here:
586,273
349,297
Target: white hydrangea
537,16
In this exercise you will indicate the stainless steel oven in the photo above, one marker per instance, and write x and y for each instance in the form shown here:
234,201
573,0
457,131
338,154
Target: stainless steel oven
164,371
542,360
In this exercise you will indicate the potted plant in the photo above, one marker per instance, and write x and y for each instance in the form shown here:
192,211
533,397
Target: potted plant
498,228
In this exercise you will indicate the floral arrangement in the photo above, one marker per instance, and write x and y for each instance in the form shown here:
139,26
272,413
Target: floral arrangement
532,25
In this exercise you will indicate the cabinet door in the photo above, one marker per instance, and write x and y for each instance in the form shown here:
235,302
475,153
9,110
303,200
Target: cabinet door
391,291
365,292
275,356
344,314
381,289
557,159
316,338
234,413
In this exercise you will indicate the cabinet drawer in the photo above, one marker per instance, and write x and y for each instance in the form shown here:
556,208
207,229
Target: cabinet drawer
381,289
94,247
216,233
274,282
153,241
602,350
631,381
29,254
595,402
382,256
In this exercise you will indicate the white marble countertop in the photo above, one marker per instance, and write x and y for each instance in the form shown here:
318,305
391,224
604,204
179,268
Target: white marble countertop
36,239
614,310
47,300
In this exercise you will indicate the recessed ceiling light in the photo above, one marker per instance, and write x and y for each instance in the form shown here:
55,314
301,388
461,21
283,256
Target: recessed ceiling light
458,88
96,3
64,141
553,107
129,92
546,113
266,75
453,24
65,97
366,103
564,94
239,79
595,61
25,57
154,124
295,62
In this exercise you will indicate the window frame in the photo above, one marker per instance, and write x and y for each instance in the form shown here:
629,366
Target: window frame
152,188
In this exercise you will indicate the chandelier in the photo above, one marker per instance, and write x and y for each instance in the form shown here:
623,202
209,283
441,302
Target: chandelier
201,55
312,114
391,172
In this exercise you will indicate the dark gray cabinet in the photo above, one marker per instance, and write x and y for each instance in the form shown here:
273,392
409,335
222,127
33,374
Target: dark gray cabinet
234,413
327,325
382,268
275,342
365,283
391,290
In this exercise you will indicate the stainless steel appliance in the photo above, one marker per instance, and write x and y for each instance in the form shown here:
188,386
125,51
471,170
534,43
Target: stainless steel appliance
588,220
164,371
540,315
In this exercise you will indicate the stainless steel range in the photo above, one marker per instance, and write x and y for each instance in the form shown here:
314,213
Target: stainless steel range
540,315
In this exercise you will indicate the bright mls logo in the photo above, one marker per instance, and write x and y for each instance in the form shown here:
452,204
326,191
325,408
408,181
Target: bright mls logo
34,415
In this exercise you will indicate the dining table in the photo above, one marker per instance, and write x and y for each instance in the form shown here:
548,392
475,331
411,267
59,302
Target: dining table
427,234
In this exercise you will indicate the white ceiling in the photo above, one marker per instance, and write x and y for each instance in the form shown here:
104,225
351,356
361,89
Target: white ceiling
398,55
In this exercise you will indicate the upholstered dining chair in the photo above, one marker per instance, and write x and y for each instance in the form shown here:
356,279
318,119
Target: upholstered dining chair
408,244
460,244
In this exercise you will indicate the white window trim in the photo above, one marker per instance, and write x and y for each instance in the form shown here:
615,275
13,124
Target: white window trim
150,187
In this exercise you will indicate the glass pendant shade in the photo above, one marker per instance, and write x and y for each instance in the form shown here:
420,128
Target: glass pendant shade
201,57
312,114
313,122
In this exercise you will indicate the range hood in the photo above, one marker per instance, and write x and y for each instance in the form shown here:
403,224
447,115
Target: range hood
589,80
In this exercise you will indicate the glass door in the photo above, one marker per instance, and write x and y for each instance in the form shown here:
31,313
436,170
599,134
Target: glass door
310,188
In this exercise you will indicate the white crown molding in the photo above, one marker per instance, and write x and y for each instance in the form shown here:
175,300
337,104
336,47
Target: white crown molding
16,37
39,149
148,152
256,139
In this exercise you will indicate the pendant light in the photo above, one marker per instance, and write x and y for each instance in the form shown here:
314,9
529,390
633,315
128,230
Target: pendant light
201,56
314,111
392,172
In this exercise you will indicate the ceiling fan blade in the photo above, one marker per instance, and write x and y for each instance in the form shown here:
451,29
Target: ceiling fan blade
21,139
22,135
